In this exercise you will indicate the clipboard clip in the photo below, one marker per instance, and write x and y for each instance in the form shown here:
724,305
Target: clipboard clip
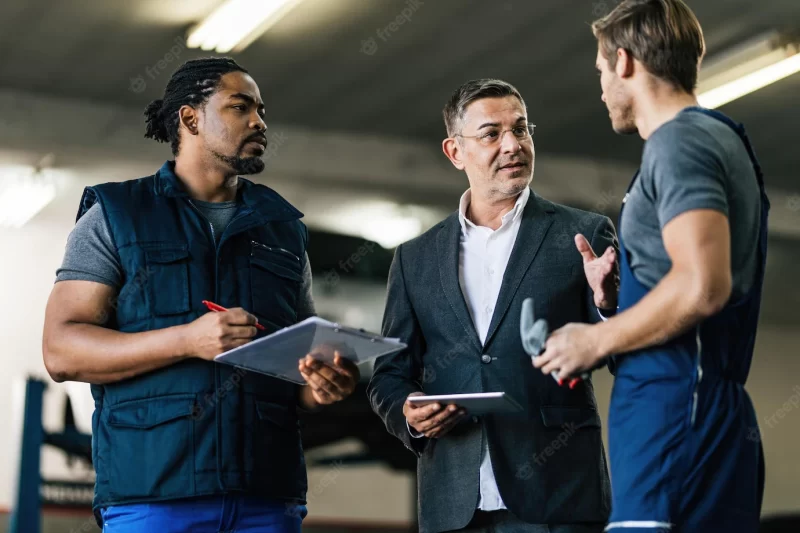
353,331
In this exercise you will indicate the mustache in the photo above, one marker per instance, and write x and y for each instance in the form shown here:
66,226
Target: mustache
258,137
519,161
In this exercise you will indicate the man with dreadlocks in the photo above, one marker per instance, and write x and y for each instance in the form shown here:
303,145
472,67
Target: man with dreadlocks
181,443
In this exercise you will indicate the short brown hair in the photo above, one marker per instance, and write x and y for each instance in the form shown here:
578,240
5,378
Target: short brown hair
664,35
469,92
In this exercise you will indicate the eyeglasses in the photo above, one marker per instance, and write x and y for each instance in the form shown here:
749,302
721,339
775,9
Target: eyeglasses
522,132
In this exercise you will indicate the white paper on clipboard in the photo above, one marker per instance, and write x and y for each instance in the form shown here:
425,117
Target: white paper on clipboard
278,354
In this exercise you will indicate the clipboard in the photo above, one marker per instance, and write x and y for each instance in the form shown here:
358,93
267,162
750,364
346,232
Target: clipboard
278,354
478,403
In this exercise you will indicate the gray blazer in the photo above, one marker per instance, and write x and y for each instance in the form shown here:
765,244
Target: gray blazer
548,460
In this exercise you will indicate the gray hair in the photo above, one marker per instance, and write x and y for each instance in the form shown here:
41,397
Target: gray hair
469,92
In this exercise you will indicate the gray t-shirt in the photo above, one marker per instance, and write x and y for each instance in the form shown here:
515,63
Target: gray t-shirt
219,214
692,162
91,255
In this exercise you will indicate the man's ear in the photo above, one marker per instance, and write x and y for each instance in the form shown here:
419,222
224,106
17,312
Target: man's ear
624,66
453,151
188,118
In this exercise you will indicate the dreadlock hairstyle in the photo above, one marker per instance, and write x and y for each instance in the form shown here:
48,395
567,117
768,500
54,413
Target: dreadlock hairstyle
192,84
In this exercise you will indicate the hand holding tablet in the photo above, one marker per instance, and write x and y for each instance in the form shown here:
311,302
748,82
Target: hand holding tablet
479,403
431,419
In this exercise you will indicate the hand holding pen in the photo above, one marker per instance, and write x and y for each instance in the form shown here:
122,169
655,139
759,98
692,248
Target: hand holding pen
217,332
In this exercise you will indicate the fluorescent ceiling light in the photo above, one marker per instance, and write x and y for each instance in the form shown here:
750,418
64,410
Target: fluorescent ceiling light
237,23
746,69
23,193
386,223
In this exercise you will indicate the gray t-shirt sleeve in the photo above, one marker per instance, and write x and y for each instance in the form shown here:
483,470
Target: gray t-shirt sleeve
305,303
90,253
685,171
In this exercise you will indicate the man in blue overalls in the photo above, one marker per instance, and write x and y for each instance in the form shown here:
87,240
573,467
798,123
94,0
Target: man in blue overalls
683,436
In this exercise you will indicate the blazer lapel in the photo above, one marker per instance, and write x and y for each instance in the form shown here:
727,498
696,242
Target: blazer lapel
447,247
536,220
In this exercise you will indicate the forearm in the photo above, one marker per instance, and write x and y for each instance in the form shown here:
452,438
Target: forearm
94,354
671,308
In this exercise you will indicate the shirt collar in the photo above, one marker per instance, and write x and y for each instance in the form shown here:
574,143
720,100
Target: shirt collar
514,214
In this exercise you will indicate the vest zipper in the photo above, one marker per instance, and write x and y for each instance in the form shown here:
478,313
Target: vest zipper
217,385
275,249
213,236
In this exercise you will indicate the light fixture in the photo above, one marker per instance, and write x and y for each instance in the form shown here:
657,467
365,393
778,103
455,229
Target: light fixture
24,191
387,223
747,68
237,23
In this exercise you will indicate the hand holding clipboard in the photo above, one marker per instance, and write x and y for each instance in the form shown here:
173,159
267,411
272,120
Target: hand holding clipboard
278,354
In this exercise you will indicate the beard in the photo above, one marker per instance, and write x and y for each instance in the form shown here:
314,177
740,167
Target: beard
623,121
620,109
242,165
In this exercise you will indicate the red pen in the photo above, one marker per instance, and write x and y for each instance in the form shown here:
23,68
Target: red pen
218,308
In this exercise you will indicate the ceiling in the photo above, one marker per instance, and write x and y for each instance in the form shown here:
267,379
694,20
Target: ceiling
313,70
314,73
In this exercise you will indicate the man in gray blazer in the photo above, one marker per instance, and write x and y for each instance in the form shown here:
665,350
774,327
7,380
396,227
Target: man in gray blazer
455,295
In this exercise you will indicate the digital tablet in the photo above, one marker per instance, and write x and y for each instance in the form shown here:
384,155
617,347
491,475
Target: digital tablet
477,403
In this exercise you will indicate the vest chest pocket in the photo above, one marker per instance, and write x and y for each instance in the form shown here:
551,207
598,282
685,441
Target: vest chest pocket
168,278
275,279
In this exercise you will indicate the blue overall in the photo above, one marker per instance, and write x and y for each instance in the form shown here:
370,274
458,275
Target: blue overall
684,445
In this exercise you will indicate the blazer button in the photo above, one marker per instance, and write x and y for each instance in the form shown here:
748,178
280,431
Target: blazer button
475,419
486,358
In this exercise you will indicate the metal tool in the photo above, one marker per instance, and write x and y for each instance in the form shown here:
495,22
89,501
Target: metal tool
534,335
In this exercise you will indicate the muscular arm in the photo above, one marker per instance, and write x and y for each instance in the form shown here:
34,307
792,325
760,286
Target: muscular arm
76,347
697,286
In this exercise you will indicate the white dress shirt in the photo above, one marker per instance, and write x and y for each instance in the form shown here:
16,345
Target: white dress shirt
482,260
